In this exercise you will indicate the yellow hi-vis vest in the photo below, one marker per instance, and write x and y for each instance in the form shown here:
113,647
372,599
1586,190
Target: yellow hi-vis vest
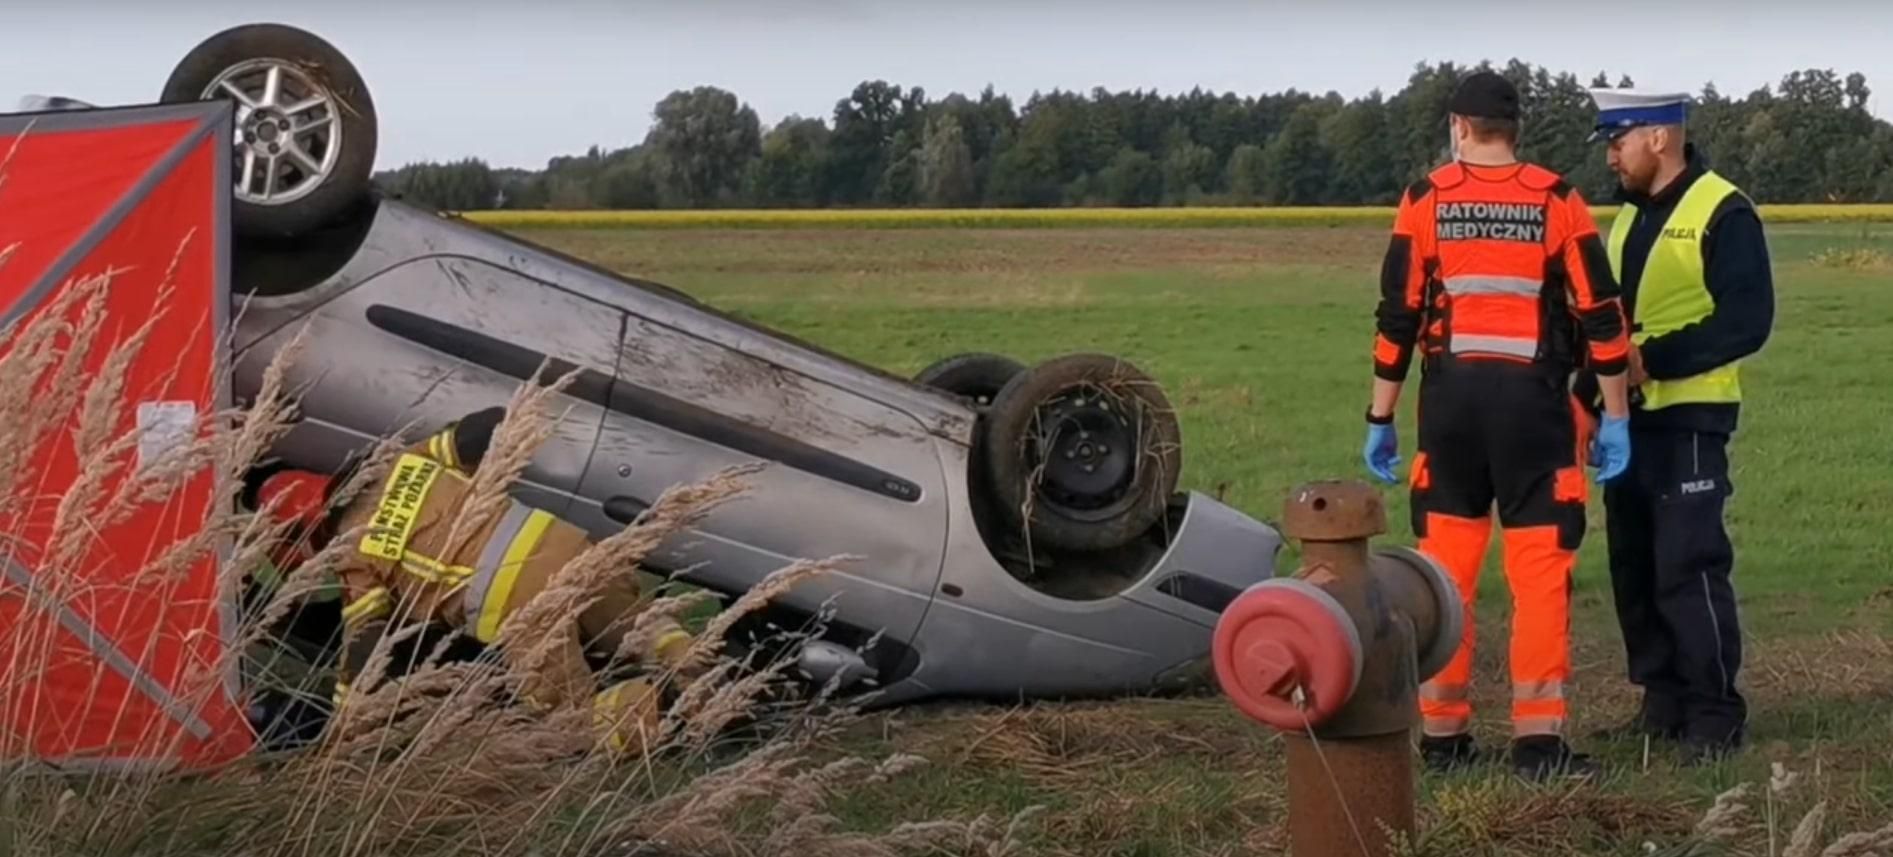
1672,292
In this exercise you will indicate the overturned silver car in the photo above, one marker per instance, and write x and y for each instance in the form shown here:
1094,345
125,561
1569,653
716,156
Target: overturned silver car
1021,530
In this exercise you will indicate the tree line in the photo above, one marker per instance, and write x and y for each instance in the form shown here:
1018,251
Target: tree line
1809,138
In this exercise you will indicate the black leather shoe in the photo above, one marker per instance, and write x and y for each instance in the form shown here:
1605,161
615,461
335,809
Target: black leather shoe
1543,757
1446,753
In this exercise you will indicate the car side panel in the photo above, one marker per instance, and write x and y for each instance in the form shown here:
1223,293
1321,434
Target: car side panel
388,355
402,231
841,474
851,462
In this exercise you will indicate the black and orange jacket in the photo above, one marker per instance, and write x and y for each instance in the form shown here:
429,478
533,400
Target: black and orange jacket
1498,263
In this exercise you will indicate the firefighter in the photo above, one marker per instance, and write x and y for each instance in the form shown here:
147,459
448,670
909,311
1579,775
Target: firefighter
1495,273
283,717
405,570
1689,250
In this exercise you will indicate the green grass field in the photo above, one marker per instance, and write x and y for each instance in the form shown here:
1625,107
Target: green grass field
1262,339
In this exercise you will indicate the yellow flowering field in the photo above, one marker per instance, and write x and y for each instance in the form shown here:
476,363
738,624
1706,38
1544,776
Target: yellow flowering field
1038,218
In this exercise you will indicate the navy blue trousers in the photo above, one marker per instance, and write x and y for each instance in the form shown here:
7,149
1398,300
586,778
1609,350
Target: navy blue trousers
1670,568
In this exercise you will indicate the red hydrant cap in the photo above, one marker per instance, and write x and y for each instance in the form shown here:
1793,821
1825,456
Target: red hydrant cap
1279,635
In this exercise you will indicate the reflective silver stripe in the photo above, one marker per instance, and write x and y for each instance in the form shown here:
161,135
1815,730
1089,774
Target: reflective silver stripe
1485,285
491,555
108,653
1526,348
1715,631
1444,726
1525,727
1538,691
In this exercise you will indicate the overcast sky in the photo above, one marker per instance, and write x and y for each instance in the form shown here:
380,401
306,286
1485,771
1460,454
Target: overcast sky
518,82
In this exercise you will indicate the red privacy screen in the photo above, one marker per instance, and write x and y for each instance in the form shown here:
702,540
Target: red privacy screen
113,226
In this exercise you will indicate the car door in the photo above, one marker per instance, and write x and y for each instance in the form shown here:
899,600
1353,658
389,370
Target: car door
842,473
433,338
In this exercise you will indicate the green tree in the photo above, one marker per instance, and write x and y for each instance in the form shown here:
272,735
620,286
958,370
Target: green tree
1131,179
900,182
865,124
521,189
1295,165
1808,137
946,165
1363,153
1420,110
1773,168
1027,174
792,169
1189,173
702,140
634,179
464,185
1248,178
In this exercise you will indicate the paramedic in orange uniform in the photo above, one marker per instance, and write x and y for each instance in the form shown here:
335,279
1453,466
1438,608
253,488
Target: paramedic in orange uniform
1496,274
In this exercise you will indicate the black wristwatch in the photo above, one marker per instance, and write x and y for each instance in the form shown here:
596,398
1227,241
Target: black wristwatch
1379,421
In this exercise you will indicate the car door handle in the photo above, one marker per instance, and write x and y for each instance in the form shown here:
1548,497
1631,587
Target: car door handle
624,509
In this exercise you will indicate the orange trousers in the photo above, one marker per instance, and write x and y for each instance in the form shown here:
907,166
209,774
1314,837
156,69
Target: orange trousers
1510,439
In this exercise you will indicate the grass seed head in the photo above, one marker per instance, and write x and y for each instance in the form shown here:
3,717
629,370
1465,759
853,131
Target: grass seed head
1722,819
1807,834
1874,843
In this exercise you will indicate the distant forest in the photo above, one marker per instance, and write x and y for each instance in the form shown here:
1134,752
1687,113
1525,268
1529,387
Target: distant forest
1809,138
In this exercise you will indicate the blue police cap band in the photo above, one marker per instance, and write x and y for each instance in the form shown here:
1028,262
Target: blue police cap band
1615,122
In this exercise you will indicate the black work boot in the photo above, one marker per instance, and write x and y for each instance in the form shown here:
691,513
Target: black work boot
1650,721
1707,747
1443,753
1543,757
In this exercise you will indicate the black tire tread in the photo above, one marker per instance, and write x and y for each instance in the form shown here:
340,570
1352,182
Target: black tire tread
974,374
326,64
1010,417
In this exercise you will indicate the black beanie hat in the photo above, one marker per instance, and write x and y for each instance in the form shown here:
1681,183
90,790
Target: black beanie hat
1487,95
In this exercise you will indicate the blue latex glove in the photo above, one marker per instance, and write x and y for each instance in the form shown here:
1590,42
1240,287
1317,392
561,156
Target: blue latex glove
1610,450
1382,452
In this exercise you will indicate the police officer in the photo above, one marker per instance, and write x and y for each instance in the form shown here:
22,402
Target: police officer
1689,251
1497,275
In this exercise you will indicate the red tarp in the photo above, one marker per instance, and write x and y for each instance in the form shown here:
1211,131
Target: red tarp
104,660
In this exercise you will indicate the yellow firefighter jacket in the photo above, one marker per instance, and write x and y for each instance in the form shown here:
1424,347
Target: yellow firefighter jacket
418,558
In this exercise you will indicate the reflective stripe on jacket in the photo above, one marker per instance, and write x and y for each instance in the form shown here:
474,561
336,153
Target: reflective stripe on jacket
420,546
1497,263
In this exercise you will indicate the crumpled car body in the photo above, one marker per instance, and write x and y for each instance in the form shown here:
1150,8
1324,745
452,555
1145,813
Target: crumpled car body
413,319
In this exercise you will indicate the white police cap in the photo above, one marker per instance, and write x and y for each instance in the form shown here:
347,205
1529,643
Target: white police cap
1619,110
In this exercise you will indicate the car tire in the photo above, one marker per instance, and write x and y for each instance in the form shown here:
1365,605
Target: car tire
1052,422
977,376
325,164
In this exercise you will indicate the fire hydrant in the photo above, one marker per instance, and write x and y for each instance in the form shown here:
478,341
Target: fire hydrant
1333,656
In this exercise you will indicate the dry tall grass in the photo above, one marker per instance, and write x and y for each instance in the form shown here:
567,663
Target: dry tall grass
429,757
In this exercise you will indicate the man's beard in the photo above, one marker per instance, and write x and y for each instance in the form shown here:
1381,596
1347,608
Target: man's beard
1639,183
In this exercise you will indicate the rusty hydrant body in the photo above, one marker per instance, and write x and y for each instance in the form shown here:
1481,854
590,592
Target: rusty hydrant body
1333,656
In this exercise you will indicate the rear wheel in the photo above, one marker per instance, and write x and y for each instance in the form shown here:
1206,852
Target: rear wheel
1082,451
305,124
977,376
